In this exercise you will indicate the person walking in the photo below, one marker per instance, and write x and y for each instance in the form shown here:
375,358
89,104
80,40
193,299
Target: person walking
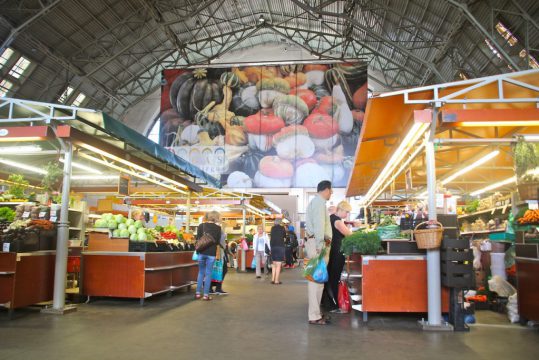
318,229
206,258
277,236
336,257
260,241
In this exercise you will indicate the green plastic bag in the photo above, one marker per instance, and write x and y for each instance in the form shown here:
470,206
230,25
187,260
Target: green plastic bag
309,270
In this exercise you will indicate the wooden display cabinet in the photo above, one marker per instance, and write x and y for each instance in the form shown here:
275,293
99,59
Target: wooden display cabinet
26,278
136,274
528,288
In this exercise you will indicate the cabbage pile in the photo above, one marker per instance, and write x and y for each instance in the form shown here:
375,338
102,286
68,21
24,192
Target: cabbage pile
124,228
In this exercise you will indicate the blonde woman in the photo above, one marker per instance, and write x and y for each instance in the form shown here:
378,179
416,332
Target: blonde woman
260,241
336,257
206,258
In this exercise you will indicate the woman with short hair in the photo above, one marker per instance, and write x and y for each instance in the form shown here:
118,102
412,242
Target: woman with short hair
206,257
277,236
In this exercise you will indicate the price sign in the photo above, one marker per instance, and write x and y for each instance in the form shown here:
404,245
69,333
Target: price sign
532,204
26,214
5,247
42,214
53,218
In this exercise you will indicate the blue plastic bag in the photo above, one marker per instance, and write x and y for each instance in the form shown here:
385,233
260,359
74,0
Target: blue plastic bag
320,274
217,271
253,263
314,264
195,256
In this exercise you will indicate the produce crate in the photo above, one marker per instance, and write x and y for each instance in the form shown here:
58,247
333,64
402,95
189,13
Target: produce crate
501,236
456,263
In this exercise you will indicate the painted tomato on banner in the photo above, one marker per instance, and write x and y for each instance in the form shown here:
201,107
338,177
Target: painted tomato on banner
266,126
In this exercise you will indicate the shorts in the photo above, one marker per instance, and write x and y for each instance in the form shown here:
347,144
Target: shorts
277,253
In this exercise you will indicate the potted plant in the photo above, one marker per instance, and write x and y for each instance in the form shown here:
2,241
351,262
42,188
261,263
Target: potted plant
361,242
16,188
526,158
50,180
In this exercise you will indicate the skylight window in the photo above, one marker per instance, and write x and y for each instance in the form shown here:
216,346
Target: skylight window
66,94
79,99
492,48
20,67
506,34
531,60
5,86
6,55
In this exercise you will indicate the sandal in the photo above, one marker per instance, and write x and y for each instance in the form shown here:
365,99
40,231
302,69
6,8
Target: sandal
197,296
207,298
320,321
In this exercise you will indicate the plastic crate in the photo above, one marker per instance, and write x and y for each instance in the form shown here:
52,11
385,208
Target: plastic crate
501,236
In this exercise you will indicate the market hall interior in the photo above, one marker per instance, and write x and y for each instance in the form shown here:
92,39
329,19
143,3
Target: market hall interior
256,321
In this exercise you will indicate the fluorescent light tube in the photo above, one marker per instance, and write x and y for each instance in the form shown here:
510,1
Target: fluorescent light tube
495,186
20,149
94,177
83,167
471,166
23,166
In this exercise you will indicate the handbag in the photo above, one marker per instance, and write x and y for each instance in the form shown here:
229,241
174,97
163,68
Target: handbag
217,269
205,241
344,298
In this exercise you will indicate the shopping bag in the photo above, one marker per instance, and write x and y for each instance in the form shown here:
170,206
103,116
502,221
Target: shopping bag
344,297
320,274
312,265
253,263
217,271
195,256
244,245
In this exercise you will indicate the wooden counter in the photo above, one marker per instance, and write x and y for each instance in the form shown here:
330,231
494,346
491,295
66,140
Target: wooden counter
528,288
249,254
26,278
136,274
396,283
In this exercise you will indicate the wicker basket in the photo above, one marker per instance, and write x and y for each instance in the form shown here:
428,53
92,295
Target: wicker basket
429,238
528,191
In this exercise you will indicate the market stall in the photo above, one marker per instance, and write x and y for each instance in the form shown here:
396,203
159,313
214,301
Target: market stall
450,143
99,155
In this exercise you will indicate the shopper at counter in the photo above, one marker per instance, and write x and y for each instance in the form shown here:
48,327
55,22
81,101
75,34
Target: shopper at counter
336,257
206,258
260,241
318,230
277,236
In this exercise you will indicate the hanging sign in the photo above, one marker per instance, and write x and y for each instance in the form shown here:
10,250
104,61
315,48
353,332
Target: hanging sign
123,185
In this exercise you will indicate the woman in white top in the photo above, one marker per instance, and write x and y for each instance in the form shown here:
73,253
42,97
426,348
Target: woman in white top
260,240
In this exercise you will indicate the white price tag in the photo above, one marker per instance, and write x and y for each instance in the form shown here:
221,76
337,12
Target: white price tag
42,214
5,247
26,214
532,204
53,218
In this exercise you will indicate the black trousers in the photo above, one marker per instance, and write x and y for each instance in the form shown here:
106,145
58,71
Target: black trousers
331,288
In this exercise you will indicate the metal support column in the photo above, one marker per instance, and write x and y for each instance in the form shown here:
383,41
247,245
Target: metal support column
434,286
60,269
244,216
188,214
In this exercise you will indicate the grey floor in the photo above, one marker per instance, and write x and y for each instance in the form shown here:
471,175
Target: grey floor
256,321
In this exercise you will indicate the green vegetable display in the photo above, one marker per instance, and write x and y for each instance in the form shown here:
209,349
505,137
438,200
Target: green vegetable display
362,242
17,186
6,214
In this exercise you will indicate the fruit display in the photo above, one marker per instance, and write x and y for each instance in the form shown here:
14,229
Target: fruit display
530,217
226,120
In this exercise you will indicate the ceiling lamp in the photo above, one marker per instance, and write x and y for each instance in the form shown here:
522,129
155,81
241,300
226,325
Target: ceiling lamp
23,166
261,19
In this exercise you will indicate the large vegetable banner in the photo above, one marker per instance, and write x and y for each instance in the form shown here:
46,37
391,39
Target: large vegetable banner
266,126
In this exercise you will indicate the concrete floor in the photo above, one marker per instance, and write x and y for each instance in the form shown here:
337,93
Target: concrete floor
256,321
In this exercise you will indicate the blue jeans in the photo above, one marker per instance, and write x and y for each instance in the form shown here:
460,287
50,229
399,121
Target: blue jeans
205,266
